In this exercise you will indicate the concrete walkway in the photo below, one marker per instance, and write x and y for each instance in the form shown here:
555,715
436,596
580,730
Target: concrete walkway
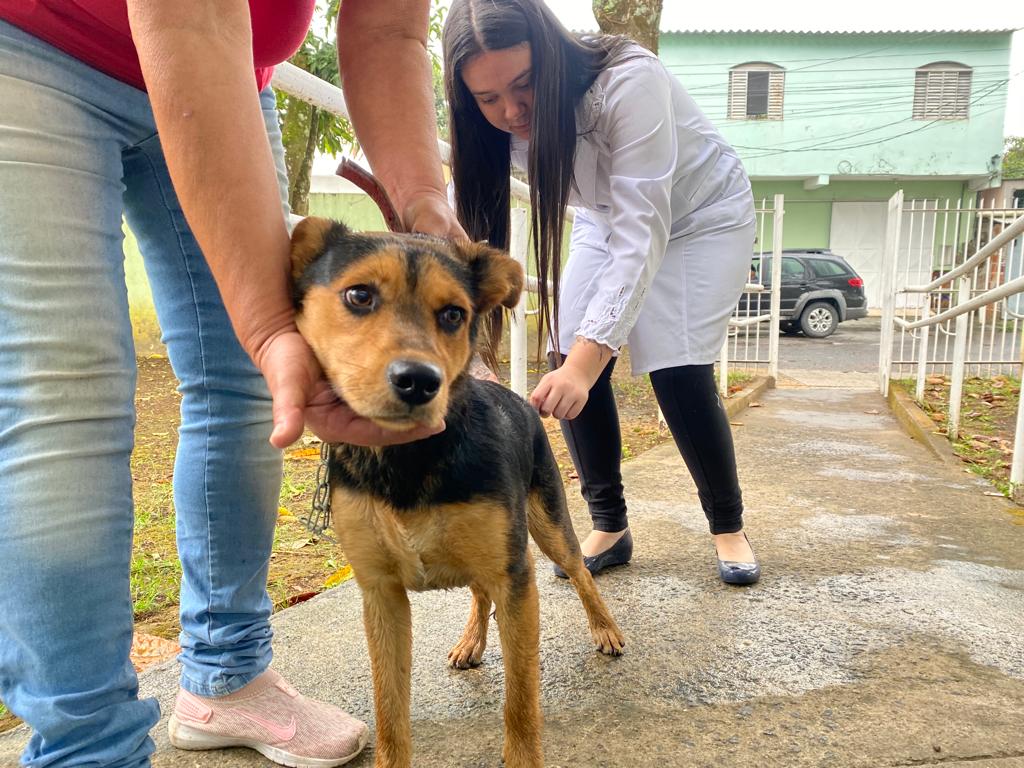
888,629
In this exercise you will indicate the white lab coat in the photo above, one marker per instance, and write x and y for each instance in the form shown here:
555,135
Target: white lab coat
664,230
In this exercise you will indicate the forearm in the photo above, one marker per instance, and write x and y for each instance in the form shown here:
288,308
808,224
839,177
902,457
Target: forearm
588,358
197,62
386,74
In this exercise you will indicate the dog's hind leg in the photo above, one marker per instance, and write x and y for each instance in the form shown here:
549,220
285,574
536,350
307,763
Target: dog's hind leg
388,621
470,648
550,526
518,615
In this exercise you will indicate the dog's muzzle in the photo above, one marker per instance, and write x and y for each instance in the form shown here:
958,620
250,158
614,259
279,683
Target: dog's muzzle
414,382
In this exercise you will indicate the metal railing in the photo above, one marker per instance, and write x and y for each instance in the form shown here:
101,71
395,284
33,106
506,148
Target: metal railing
748,346
972,302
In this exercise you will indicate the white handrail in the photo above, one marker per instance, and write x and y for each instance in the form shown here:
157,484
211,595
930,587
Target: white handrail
988,297
1012,232
310,88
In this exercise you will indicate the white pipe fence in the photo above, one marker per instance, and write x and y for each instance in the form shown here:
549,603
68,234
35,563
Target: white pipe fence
971,301
750,346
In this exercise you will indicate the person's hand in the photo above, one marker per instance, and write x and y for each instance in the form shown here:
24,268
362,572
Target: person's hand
431,215
562,393
303,397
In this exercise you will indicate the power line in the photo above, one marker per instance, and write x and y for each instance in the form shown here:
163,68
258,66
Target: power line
874,142
821,147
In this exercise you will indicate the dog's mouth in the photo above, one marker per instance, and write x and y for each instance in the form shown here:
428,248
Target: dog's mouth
402,424
387,412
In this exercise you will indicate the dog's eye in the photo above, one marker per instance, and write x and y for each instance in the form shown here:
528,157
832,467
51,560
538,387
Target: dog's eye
451,317
360,297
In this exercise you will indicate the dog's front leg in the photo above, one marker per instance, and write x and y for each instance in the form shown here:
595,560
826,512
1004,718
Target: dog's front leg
519,631
388,622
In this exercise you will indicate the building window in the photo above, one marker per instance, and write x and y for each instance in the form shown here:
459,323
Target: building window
942,91
756,91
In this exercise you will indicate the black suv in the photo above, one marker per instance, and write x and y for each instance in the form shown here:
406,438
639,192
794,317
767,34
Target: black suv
819,291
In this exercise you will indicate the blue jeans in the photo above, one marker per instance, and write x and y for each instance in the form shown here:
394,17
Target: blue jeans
77,150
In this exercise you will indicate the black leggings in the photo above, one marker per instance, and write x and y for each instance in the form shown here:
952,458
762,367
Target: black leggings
689,401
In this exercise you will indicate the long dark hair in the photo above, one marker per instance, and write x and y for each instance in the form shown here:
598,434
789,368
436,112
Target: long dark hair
563,67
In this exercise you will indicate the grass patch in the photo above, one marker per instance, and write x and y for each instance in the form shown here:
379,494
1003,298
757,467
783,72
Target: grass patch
988,414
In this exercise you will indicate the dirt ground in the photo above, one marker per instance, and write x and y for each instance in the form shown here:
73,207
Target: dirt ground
300,566
988,414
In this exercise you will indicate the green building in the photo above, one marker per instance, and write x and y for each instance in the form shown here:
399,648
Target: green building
838,121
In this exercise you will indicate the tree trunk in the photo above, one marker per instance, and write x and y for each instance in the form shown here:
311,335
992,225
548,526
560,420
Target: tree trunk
636,19
299,180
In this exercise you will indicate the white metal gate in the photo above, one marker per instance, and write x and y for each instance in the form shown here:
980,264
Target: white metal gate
926,239
752,344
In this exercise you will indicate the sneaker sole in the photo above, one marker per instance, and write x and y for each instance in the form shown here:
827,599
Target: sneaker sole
186,737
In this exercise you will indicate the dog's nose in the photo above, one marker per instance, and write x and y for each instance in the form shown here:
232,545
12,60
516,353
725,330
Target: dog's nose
414,382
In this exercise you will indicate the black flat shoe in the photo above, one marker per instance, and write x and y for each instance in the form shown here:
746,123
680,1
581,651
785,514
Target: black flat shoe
618,553
732,572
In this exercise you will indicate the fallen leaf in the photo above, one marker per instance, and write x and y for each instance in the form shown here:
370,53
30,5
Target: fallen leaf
735,423
305,453
300,543
284,512
755,405
300,598
993,493
148,650
340,576
873,412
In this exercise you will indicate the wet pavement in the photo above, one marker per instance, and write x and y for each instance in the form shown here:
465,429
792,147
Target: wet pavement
886,630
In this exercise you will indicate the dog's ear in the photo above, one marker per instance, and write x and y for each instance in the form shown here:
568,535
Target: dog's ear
497,277
308,241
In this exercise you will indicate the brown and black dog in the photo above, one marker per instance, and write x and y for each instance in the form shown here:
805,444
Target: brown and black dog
393,320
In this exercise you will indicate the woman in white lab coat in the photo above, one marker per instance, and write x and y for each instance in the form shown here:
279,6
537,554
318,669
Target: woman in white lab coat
660,247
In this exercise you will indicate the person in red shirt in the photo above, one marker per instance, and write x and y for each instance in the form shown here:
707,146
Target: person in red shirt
159,113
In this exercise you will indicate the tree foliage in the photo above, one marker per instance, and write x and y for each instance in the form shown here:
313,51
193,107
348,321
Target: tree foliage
636,19
1013,158
307,130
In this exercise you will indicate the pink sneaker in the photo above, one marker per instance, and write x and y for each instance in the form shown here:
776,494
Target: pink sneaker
270,716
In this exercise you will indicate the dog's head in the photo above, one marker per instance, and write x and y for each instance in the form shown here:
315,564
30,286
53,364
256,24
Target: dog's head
392,318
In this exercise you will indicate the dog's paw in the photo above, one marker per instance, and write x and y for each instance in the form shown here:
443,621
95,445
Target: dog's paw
466,655
609,640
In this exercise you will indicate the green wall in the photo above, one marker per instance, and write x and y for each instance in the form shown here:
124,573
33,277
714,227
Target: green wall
848,100
808,213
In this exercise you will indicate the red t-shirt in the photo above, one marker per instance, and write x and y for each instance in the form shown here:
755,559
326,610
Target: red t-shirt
96,32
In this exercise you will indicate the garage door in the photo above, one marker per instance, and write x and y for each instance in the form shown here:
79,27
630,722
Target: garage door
858,235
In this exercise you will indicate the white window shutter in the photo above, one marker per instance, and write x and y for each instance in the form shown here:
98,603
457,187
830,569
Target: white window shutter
738,95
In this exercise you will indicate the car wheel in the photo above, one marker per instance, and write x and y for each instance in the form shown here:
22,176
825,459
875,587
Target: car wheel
819,320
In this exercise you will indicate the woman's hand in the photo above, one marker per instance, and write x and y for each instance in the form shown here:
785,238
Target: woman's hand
562,393
431,215
303,397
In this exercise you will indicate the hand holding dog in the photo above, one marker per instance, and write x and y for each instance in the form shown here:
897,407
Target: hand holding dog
302,397
430,214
